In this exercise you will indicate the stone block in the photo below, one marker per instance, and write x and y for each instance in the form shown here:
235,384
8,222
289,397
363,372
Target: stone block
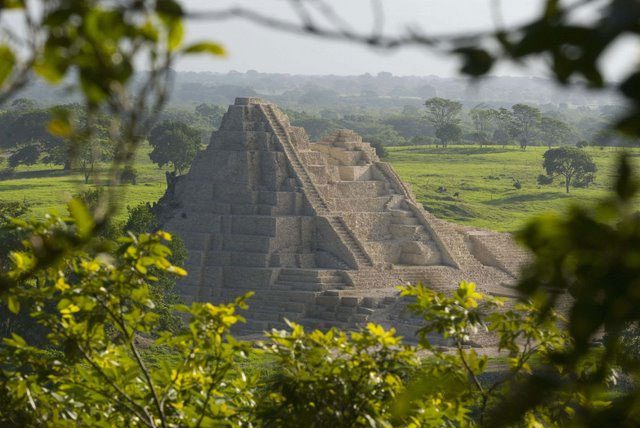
355,173
253,225
328,300
295,307
349,301
248,243
302,296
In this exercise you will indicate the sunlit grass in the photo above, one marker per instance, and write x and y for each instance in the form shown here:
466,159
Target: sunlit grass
47,188
484,180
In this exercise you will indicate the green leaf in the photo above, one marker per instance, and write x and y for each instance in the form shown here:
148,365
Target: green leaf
205,47
11,4
13,304
175,34
7,61
60,127
82,216
476,62
169,7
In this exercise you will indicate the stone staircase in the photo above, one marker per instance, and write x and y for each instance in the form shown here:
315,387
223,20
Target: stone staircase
362,258
317,202
311,192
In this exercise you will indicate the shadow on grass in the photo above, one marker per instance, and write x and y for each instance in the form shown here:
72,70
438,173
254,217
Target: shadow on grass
460,150
41,173
457,211
546,196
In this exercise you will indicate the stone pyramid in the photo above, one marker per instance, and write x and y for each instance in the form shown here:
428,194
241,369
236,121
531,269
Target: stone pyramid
322,232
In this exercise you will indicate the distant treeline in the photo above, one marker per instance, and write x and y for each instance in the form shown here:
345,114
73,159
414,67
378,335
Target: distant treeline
25,138
520,124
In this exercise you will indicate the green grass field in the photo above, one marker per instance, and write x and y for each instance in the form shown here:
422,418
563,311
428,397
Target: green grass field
482,177
47,188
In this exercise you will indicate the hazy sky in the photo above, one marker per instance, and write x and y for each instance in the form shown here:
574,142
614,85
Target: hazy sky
253,47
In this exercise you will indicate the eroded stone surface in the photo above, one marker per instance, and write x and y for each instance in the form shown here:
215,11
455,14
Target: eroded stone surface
323,232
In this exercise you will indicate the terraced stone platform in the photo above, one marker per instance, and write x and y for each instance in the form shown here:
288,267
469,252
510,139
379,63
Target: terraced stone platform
323,232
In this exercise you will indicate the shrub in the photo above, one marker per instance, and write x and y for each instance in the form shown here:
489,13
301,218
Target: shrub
582,144
129,175
381,151
422,140
7,173
544,179
335,379
584,180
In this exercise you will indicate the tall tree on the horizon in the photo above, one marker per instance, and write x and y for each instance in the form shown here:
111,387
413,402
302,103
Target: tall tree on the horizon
554,131
441,113
525,120
482,118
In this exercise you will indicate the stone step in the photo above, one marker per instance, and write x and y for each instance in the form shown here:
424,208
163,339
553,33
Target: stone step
310,273
405,220
405,230
295,285
335,279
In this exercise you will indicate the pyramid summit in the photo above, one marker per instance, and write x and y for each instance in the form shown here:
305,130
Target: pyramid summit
323,232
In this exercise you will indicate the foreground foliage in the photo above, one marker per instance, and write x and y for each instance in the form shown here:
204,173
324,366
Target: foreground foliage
96,308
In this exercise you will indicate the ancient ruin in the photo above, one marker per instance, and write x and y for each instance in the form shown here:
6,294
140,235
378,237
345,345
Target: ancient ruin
322,232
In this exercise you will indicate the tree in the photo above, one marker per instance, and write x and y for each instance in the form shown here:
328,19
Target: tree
421,140
129,175
141,220
582,144
503,121
212,113
525,121
449,133
568,162
25,155
91,153
554,131
381,151
408,127
174,143
441,111
482,119
386,136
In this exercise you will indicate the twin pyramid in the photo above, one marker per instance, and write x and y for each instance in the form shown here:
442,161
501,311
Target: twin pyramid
322,232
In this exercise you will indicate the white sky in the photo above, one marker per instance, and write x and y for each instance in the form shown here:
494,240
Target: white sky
253,47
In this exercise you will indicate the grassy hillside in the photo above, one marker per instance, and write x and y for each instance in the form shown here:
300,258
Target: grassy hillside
484,180
482,177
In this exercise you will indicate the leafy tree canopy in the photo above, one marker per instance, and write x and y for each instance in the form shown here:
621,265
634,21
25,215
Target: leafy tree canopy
441,111
554,131
568,162
449,133
524,123
25,155
174,143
